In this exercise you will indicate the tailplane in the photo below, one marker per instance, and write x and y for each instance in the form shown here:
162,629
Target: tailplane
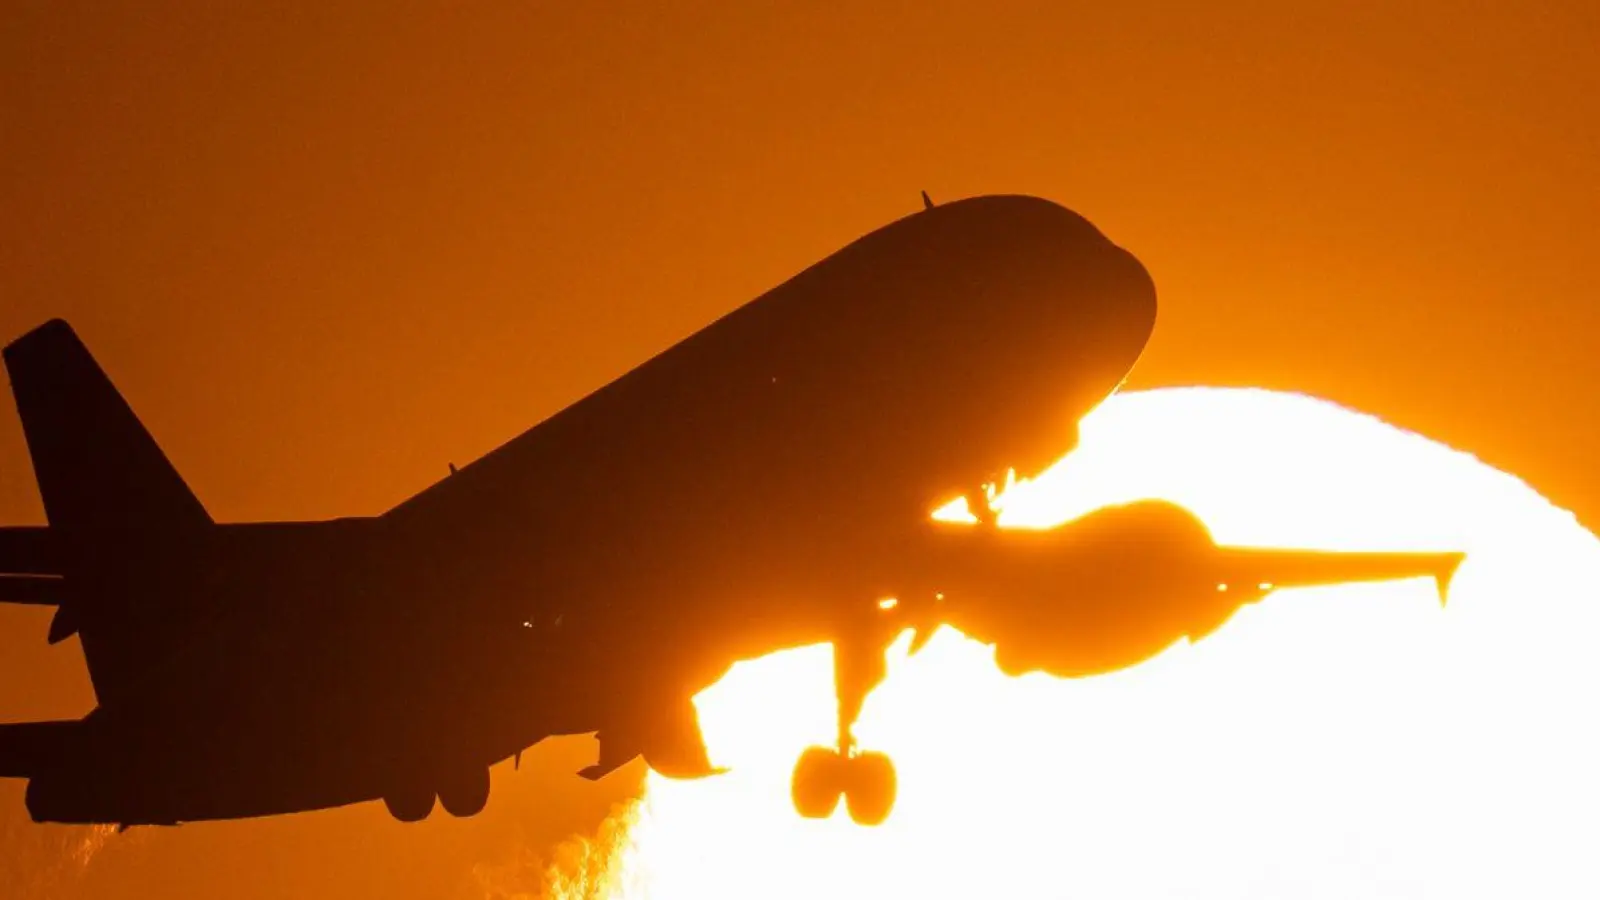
97,466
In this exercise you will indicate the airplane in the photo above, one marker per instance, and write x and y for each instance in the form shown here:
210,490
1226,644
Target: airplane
765,483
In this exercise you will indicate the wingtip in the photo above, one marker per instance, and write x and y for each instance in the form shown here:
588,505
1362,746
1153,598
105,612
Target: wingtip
1447,574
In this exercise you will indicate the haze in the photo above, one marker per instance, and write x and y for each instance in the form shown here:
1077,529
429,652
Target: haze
325,253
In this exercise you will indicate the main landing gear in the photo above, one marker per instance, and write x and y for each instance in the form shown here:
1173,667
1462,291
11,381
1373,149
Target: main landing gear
865,779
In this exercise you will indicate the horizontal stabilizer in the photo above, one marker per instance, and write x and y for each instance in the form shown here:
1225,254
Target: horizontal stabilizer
27,748
31,590
29,550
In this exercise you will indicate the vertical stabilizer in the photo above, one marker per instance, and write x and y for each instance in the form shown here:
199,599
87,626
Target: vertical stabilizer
97,466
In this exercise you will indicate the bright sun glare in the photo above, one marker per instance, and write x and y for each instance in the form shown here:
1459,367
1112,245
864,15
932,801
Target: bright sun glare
1339,742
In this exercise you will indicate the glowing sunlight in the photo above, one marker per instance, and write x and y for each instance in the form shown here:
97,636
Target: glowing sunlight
1349,742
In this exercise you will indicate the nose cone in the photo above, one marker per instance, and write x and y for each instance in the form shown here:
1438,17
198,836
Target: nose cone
1059,274
1092,319
1050,283
1064,314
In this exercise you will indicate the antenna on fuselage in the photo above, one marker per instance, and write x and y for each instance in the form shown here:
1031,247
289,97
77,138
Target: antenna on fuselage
927,203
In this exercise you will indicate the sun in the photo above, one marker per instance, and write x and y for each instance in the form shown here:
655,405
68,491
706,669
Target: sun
1339,742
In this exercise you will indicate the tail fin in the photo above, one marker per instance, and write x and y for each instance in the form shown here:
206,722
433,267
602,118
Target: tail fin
97,467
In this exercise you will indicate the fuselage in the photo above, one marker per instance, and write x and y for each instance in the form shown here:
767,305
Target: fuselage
740,493
747,477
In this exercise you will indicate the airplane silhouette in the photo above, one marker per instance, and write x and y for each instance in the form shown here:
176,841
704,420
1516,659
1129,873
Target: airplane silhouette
765,483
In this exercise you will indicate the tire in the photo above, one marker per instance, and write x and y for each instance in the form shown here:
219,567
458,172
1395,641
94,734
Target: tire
409,804
467,793
817,784
870,792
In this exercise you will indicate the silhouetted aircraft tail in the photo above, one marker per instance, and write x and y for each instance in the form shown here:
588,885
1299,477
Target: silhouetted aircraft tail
107,489
97,466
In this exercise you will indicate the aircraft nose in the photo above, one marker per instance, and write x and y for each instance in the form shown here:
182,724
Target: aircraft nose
1039,318
1078,325
1126,297
1101,314
1072,294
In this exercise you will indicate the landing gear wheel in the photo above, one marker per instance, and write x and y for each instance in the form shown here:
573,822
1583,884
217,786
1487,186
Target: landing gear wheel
467,793
409,804
818,780
870,788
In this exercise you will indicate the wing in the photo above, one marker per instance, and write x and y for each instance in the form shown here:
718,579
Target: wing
1262,570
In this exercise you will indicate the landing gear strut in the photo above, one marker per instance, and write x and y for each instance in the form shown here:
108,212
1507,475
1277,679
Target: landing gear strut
865,779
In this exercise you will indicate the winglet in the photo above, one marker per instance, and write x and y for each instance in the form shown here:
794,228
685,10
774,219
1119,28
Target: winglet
926,202
1447,573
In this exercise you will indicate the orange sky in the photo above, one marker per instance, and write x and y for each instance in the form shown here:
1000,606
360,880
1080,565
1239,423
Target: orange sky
324,254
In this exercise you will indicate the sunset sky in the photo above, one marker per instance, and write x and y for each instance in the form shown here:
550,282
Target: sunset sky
326,253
